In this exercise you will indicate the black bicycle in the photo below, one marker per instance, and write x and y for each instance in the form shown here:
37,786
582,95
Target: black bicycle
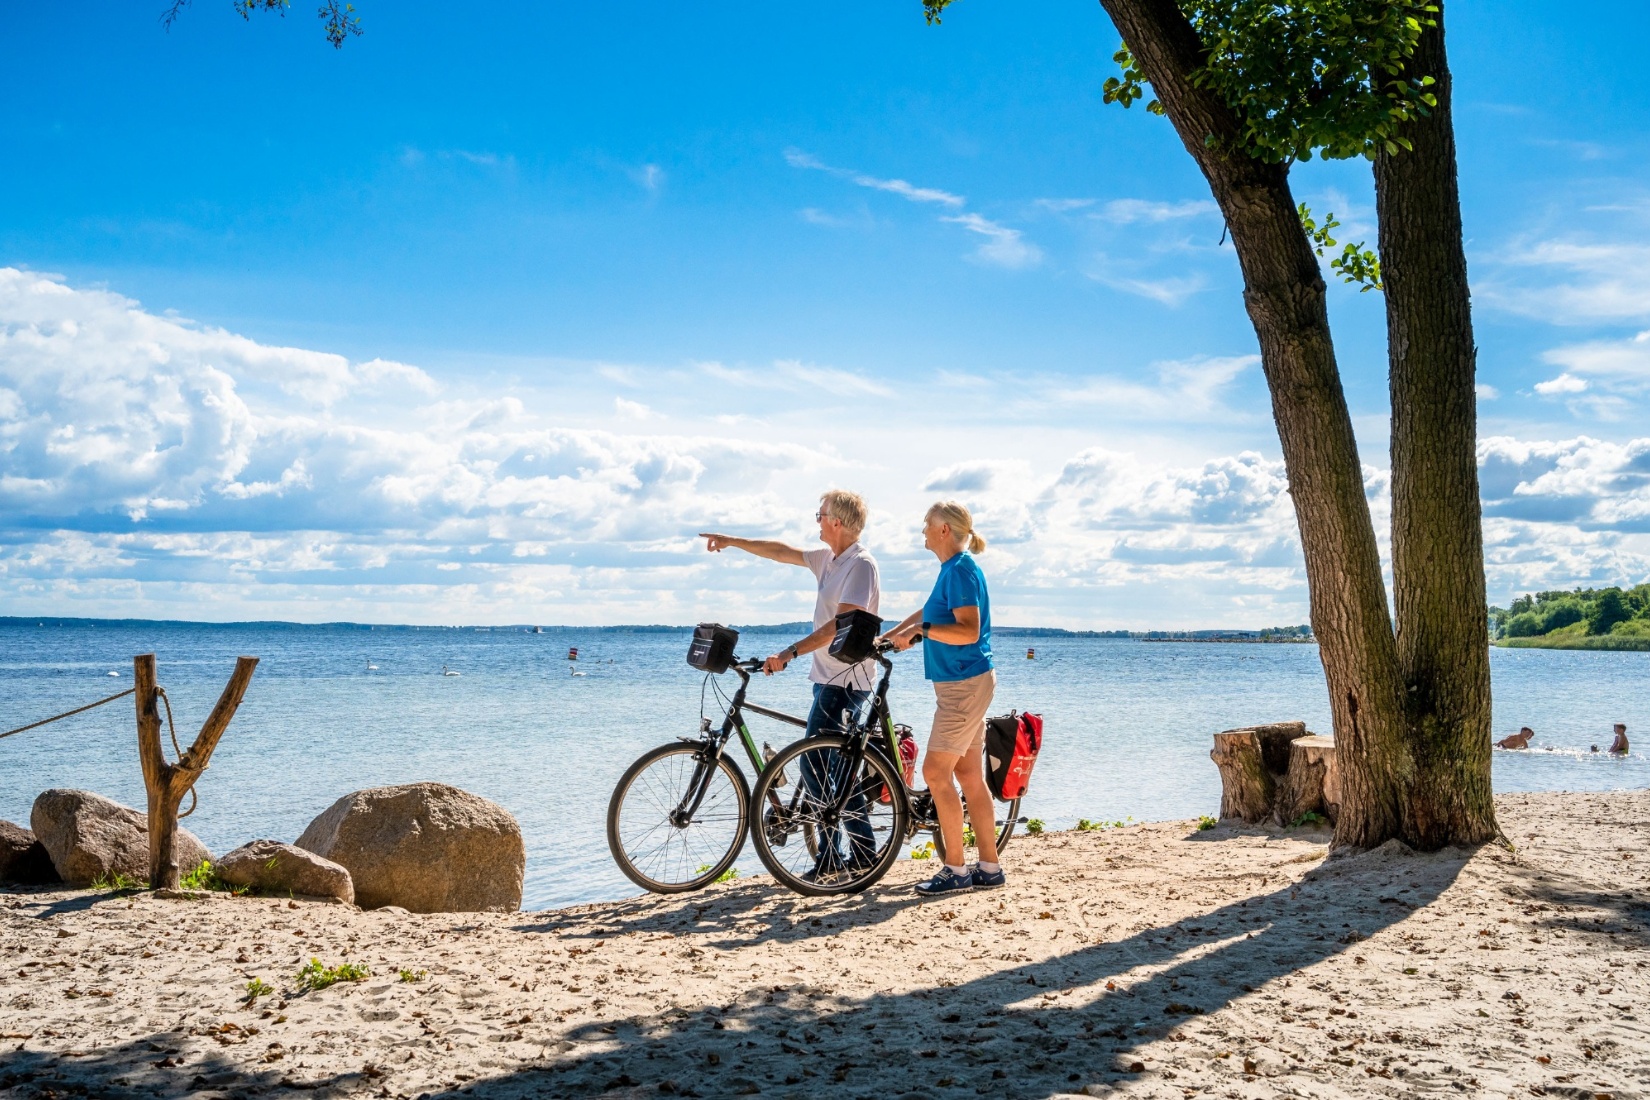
854,789
680,814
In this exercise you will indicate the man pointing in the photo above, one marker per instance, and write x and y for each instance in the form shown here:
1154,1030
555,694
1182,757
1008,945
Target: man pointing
848,581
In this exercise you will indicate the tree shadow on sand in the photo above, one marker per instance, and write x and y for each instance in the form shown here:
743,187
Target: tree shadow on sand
1076,1020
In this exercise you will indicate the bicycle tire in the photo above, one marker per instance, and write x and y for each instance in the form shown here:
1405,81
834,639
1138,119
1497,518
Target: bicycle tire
652,797
888,819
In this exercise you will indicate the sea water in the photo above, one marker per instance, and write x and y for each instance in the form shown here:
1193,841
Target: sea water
333,709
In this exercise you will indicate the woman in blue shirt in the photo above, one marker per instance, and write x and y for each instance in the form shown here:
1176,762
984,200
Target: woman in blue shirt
955,625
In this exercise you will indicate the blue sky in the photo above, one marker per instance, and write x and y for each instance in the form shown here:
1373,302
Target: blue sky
478,320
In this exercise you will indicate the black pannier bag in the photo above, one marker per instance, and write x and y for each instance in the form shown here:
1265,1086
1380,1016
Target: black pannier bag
856,635
712,647
1012,742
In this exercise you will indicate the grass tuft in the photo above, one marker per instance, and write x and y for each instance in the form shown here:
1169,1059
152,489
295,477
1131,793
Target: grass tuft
256,988
114,880
412,975
315,976
1311,818
1035,826
1206,822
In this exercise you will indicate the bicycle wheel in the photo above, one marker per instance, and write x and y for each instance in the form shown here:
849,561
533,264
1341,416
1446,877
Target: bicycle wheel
868,834
1005,828
654,844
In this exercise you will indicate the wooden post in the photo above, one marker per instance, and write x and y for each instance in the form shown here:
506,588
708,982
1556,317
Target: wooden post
166,783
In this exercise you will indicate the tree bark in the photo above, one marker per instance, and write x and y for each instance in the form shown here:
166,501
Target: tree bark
1284,294
166,784
1437,533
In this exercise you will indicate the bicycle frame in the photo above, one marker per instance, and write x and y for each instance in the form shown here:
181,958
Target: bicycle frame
717,742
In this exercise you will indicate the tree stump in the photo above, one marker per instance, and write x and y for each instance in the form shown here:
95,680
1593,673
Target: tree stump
1312,784
1275,773
1251,761
166,783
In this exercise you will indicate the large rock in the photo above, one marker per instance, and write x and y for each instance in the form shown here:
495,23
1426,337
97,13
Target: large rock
427,847
276,868
91,837
23,859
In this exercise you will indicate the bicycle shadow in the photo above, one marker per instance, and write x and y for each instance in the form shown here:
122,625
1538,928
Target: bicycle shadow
753,912
1074,1020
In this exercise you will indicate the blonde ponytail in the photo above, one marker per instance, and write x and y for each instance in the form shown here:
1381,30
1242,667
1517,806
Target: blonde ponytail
957,517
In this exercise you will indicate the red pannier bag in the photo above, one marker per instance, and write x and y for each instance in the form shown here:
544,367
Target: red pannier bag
1012,742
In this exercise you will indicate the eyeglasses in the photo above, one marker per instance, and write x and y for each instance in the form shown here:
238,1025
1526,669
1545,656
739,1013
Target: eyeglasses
822,515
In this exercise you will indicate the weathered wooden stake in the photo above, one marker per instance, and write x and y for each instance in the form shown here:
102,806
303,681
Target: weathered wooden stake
166,783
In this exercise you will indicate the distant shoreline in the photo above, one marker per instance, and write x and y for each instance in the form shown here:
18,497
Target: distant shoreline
1615,643
1210,635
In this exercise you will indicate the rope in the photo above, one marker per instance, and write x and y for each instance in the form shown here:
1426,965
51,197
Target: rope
70,713
194,799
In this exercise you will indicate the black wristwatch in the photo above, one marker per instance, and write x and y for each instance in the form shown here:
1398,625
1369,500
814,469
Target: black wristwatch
924,631
795,653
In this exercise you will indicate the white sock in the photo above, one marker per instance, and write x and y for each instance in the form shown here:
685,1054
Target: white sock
989,868
959,871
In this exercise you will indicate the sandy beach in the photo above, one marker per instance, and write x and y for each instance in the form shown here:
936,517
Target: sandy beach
1155,960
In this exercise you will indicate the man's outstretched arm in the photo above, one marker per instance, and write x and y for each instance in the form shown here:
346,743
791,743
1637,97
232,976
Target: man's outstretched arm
762,548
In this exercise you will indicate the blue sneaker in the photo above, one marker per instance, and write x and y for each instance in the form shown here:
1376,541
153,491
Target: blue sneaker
946,882
988,880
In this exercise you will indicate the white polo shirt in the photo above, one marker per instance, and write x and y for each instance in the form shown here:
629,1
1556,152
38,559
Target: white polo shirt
848,577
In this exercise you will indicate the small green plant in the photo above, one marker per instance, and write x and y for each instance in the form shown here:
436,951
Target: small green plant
726,876
114,880
1206,822
1311,818
412,975
256,988
968,836
1035,826
205,877
924,852
316,976
1084,825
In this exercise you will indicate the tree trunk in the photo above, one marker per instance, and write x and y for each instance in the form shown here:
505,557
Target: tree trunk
166,784
1437,534
1284,294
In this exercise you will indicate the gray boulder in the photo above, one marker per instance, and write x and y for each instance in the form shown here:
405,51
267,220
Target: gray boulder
426,847
276,868
23,859
91,837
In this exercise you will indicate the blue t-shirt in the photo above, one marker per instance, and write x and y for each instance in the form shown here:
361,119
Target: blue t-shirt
960,584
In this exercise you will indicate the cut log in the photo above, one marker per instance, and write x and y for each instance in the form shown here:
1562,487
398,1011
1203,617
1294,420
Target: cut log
1275,773
1246,786
1311,784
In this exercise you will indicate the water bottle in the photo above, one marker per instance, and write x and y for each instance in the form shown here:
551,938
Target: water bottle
767,758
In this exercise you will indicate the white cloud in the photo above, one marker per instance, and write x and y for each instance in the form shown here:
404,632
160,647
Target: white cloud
1486,392
649,177
1129,211
1617,364
798,159
1575,281
1004,247
1564,383
632,410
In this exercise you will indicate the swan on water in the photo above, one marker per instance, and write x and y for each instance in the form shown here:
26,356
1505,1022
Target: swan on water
445,671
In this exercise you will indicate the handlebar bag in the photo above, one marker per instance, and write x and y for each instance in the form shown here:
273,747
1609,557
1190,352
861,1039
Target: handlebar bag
1012,742
712,647
856,635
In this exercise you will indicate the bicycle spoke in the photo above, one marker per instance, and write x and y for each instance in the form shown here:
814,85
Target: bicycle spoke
658,849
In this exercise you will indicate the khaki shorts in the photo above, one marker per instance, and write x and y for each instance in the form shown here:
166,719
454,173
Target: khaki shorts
959,716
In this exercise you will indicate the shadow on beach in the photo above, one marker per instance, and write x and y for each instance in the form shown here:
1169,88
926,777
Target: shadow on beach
1078,1020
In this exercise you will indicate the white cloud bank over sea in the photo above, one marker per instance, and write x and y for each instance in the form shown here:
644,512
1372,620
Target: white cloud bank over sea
154,467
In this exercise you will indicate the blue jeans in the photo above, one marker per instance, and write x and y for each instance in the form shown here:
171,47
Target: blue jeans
830,700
